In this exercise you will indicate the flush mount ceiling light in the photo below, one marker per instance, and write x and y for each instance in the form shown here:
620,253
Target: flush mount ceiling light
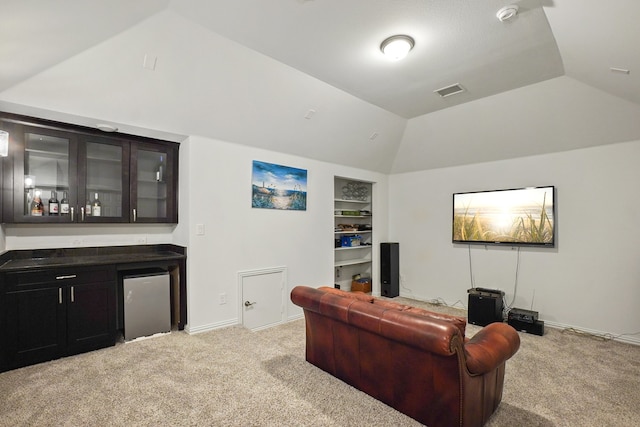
397,47
507,13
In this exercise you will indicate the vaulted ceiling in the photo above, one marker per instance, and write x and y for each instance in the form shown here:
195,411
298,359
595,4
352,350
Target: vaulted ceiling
307,77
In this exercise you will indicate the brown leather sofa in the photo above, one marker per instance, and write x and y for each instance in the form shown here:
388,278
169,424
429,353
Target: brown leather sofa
416,361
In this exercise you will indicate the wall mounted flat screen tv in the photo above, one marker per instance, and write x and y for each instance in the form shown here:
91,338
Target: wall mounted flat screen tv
524,216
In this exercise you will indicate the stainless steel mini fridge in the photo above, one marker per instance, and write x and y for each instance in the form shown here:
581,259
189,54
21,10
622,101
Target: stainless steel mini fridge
147,305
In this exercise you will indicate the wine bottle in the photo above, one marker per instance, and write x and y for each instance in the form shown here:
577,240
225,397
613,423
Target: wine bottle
37,208
87,207
96,207
54,205
159,171
64,204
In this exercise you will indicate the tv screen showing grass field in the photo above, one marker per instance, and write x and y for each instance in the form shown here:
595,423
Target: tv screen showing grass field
523,216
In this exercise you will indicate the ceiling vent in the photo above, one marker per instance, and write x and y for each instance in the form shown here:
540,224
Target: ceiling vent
450,90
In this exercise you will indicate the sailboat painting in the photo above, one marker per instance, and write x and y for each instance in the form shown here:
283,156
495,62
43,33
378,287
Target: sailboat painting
278,187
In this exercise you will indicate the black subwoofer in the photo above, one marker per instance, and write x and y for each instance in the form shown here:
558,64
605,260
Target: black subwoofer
390,269
536,327
485,306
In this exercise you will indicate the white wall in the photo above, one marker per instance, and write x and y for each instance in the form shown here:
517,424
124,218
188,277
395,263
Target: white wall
33,236
216,179
215,190
552,116
589,281
205,84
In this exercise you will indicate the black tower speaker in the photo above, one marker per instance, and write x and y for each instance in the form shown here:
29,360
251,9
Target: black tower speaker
485,306
390,269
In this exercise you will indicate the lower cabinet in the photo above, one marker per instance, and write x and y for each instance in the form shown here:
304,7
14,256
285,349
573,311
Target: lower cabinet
54,313
91,317
35,326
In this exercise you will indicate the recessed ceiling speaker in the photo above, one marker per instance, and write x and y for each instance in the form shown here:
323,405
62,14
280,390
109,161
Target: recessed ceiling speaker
507,13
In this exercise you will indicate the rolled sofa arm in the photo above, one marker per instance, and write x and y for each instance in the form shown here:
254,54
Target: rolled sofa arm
490,347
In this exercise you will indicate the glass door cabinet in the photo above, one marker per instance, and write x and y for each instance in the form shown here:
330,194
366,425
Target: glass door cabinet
60,175
45,170
153,193
103,191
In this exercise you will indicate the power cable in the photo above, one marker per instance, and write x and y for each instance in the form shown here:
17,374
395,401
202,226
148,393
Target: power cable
515,285
471,268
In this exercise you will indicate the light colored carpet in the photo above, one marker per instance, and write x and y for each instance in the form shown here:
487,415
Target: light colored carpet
234,377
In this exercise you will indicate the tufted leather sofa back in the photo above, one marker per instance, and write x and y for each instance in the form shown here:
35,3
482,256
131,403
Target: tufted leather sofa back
411,359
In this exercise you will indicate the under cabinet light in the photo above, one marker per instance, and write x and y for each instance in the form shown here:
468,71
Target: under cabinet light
4,143
106,128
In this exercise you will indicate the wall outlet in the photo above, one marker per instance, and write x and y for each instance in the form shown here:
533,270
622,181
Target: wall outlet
222,299
199,229
141,240
76,241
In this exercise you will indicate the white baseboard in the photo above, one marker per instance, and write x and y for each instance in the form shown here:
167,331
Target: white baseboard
210,327
231,322
296,317
625,338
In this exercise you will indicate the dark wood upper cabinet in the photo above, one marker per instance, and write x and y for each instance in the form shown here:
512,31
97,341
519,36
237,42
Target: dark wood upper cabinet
103,175
154,173
103,178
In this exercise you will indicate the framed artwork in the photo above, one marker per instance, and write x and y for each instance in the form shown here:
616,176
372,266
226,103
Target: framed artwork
278,187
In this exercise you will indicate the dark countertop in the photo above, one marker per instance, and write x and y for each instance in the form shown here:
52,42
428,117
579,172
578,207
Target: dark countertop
21,260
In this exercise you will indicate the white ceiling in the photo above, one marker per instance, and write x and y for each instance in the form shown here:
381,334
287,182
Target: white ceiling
262,65
338,42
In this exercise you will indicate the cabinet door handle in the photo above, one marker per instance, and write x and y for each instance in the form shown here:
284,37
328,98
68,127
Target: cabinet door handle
59,295
135,215
68,276
72,211
73,297
82,214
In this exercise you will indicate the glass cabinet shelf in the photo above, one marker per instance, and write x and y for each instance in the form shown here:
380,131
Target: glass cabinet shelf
152,198
103,160
45,154
104,188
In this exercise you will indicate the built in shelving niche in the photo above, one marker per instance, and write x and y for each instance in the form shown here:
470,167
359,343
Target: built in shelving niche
353,231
